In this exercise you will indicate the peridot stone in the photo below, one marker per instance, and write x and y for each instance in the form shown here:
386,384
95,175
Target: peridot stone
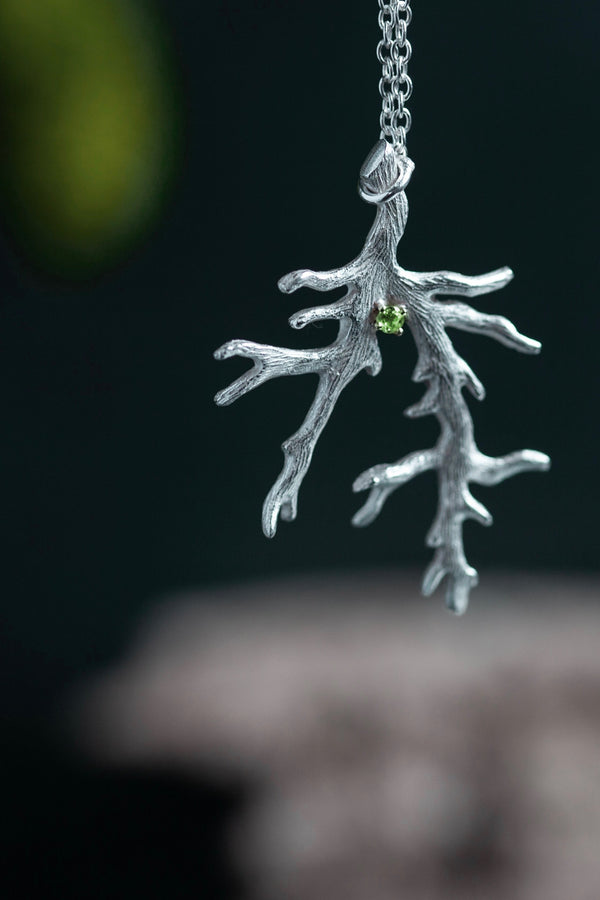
391,319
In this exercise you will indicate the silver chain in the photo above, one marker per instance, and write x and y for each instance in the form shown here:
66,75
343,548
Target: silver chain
393,52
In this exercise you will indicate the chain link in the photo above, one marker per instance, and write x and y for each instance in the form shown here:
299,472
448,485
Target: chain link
393,52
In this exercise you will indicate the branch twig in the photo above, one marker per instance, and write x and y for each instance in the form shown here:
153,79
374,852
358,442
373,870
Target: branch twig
374,280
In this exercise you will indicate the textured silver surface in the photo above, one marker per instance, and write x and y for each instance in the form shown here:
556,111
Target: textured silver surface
374,279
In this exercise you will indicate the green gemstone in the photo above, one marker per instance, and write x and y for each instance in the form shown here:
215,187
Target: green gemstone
391,319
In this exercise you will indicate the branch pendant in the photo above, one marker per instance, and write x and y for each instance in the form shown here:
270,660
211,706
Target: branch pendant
383,296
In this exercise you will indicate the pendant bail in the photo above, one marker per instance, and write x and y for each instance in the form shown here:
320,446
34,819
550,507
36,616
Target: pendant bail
385,173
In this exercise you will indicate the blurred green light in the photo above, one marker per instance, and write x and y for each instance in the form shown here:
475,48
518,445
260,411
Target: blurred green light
89,128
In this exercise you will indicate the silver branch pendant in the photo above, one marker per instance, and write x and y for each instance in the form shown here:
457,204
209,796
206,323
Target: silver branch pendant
382,296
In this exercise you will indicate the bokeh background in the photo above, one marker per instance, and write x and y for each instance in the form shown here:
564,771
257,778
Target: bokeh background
161,165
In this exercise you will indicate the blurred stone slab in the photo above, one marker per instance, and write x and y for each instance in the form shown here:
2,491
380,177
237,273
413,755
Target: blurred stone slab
400,752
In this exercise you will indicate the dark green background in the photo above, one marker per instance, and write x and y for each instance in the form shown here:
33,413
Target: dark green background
120,481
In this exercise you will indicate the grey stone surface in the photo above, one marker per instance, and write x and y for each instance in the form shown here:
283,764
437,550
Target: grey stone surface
400,752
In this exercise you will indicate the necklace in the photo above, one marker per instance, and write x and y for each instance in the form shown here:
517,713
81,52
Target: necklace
382,297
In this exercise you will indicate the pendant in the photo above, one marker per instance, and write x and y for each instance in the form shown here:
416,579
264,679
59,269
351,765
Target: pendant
383,297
